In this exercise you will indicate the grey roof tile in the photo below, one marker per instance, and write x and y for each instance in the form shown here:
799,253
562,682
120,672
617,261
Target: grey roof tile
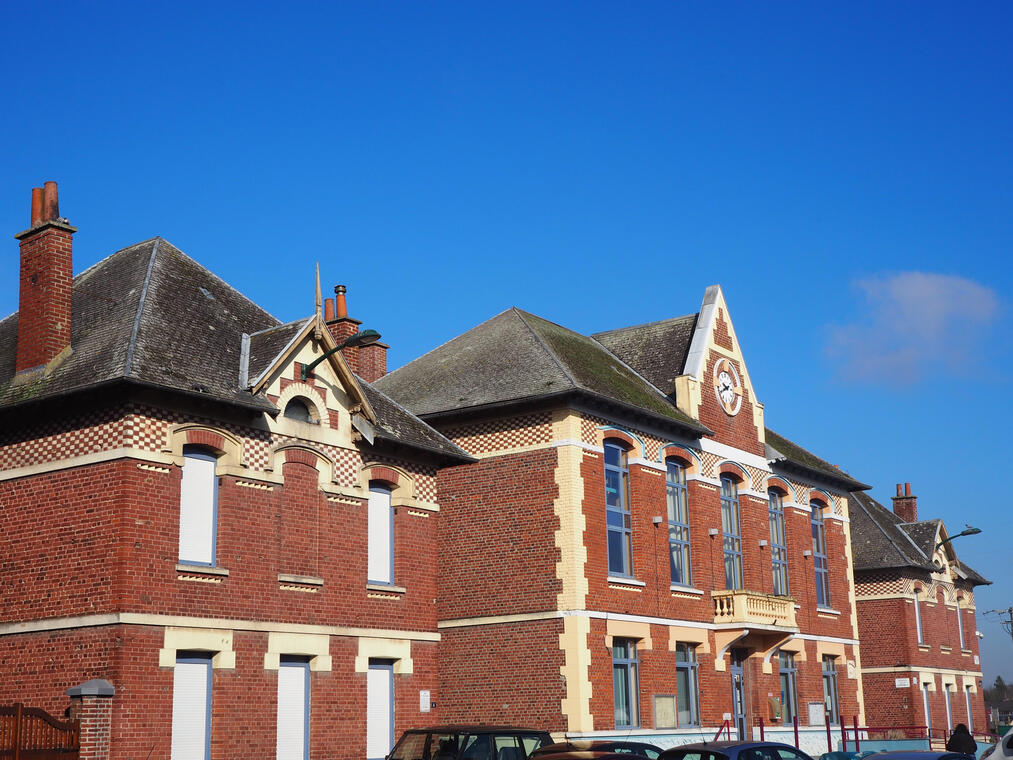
781,450
266,345
656,350
515,357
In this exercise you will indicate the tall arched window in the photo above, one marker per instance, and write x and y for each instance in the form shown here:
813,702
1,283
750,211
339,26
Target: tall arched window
778,543
820,555
380,530
617,510
731,532
198,507
678,523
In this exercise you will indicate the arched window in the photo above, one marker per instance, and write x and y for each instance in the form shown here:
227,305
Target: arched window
778,542
678,522
299,409
198,507
617,510
918,616
960,623
820,555
380,527
731,532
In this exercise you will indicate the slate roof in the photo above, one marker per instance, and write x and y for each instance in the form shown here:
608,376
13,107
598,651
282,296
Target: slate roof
881,540
151,315
517,356
638,346
784,452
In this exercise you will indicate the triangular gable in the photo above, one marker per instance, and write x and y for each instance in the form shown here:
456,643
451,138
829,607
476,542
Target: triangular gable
713,340
310,329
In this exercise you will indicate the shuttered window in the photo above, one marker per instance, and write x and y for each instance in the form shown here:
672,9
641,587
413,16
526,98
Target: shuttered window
293,709
379,709
198,506
191,707
381,537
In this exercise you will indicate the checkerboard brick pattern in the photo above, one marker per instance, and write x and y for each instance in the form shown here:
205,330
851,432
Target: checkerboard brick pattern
503,435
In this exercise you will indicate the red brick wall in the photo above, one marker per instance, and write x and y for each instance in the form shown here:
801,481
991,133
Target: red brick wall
503,674
497,548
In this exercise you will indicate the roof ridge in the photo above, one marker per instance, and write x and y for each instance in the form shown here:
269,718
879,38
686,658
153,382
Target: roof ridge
140,308
279,326
668,320
545,347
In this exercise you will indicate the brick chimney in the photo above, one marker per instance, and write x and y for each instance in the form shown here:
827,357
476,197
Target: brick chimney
905,506
368,362
47,276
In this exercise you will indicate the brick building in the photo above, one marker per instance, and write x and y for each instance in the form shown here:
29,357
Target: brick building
920,661
242,548
634,552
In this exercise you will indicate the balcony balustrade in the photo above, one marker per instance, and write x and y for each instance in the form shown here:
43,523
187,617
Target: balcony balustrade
741,607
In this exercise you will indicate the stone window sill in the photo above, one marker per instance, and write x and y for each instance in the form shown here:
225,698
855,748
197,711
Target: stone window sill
827,611
624,581
185,567
305,580
685,590
385,588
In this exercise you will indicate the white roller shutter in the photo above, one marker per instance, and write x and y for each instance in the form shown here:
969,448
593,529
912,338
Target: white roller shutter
197,497
191,709
381,538
379,711
293,711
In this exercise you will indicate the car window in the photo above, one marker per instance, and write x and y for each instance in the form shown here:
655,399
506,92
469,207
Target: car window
761,753
531,743
411,747
476,747
443,747
695,755
507,748
787,753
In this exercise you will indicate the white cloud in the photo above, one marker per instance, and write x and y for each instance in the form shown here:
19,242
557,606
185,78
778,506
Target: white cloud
912,324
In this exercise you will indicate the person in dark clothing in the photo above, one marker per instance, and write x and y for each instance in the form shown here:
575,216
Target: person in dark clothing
961,741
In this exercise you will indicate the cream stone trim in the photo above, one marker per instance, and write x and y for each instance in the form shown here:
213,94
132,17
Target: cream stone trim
204,640
398,650
796,645
849,556
96,457
906,598
318,410
403,490
412,503
833,648
766,665
327,474
567,507
626,629
575,670
136,618
232,460
969,681
923,669
926,678
724,451
948,679
723,641
680,634
315,646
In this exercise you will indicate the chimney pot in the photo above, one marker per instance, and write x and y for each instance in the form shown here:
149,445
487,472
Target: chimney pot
50,203
340,309
907,489
328,309
900,490
36,219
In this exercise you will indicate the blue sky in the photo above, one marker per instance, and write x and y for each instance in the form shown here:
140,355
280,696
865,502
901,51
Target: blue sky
843,171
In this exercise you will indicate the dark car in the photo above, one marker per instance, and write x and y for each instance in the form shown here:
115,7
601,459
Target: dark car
734,750
468,743
919,754
599,746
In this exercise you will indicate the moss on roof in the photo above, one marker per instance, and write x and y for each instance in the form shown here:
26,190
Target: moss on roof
797,455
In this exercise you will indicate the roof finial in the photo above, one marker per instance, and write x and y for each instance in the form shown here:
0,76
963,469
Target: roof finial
317,332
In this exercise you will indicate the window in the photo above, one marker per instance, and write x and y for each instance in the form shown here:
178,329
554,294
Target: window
732,532
298,409
686,685
820,555
380,710
778,544
830,703
967,702
198,507
293,735
678,523
960,626
928,710
625,683
918,619
789,688
380,562
949,708
191,707
617,508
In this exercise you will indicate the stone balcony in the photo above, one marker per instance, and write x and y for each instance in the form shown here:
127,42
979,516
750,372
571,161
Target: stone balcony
751,608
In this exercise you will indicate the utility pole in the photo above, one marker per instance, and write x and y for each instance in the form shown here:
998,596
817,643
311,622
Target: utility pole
1005,619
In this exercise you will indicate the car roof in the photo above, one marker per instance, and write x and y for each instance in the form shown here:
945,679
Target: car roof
474,728
724,744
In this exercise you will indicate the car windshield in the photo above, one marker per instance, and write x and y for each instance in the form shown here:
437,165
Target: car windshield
694,755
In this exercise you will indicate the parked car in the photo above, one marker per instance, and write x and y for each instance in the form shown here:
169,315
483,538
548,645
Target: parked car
919,754
468,743
599,745
734,750
1002,749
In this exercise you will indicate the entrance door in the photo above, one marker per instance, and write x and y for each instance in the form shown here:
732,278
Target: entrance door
379,709
739,692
